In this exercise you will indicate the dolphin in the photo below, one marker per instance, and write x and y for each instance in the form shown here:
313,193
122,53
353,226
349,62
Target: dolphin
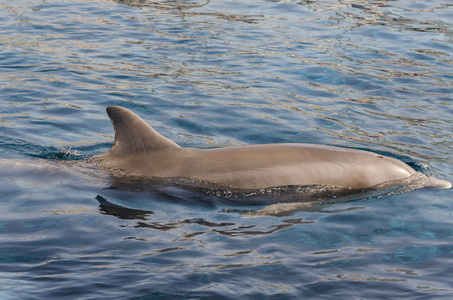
141,153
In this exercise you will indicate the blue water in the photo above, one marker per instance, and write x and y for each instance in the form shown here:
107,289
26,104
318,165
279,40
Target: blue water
363,74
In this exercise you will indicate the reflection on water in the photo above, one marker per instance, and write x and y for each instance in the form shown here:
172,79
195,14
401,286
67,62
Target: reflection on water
134,214
121,212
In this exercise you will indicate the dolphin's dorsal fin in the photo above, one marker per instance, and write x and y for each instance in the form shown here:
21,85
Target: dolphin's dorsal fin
133,135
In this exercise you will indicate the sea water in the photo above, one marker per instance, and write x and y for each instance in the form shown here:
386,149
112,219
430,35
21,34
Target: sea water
365,74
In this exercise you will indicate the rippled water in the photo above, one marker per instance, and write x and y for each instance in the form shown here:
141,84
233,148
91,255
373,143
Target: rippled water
363,74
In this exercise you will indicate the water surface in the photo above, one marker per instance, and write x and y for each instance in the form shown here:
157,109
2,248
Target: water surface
362,74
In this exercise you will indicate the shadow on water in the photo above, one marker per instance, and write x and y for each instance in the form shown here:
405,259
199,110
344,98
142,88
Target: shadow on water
121,212
145,219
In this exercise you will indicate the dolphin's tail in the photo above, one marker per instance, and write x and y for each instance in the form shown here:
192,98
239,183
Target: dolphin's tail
433,182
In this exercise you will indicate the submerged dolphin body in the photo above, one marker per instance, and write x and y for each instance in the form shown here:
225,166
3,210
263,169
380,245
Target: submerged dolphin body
140,153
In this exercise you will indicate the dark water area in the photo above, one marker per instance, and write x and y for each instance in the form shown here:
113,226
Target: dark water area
374,75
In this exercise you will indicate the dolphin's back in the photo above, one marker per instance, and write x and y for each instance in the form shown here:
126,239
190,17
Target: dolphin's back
141,152
272,165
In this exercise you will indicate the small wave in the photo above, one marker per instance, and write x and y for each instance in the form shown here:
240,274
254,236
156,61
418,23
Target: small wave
65,154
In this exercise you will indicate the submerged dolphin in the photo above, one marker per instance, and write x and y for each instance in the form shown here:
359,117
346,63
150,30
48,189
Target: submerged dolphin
141,153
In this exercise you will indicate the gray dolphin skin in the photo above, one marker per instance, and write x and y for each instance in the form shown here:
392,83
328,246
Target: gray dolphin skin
139,152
